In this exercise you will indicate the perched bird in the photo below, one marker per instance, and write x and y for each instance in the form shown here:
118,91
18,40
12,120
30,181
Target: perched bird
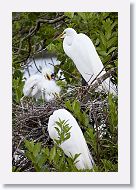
44,86
76,144
81,50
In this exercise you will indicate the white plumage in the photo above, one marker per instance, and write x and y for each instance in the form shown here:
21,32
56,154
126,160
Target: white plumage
76,143
31,87
49,89
44,86
81,50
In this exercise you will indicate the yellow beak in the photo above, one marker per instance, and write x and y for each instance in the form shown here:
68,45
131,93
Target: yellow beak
48,77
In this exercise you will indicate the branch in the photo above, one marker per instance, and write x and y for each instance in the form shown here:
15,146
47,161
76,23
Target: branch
102,78
36,65
113,55
33,30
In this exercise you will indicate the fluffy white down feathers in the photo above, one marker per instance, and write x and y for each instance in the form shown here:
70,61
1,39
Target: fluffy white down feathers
76,143
44,86
81,50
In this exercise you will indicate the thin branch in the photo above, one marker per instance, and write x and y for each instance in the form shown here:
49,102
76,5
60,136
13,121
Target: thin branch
33,30
36,65
113,55
102,78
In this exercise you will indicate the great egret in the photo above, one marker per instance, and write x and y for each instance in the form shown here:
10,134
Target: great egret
81,50
42,86
76,144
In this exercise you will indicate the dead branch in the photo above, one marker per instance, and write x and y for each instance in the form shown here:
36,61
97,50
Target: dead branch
101,79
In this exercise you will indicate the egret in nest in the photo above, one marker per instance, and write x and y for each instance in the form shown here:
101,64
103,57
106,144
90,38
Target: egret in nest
44,86
81,50
76,144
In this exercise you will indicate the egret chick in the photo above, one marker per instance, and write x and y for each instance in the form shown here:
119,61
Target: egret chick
44,86
48,86
81,50
76,144
50,90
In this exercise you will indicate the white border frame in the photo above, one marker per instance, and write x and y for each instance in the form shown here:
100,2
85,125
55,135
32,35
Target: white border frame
123,174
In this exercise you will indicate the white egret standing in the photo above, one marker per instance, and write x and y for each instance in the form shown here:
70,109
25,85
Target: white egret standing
76,144
41,86
81,50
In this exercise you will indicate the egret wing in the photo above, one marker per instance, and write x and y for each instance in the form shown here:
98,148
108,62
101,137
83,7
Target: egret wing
84,55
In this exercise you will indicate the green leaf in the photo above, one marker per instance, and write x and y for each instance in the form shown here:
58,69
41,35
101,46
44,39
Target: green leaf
63,131
111,50
113,114
30,156
29,145
83,16
103,40
57,129
36,149
51,47
67,136
76,107
41,159
103,53
68,105
112,42
109,166
97,42
85,119
69,14
76,156
52,154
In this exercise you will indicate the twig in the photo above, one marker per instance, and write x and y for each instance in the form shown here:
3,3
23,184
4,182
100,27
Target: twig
36,65
113,55
101,79
97,132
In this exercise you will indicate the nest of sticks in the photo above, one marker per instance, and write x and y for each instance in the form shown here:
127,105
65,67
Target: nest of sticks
30,121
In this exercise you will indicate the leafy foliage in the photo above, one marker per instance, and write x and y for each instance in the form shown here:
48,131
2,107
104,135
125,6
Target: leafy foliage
63,131
44,158
81,116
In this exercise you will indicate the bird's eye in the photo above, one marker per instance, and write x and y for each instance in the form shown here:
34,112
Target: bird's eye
53,76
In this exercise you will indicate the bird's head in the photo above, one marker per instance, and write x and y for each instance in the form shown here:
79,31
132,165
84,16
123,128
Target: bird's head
68,32
47,73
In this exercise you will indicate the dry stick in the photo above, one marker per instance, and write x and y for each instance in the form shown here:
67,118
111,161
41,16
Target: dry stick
36,65
97,133
101,79
52,61
113,55
29,52
22,139
37,51
98,82
102,69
